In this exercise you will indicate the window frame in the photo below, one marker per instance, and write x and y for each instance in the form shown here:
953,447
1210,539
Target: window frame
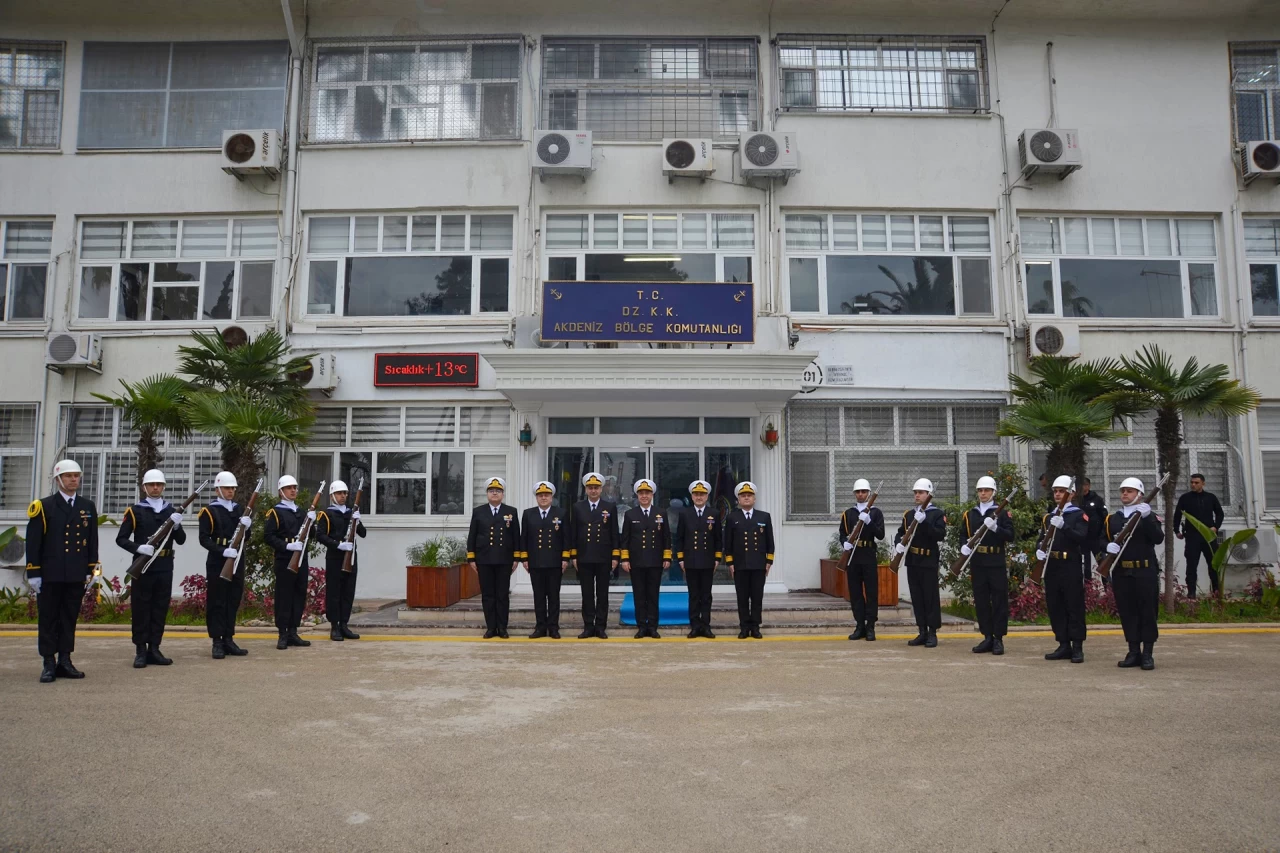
9,267
1268,90
1269,451
27,489
1262,259
13,47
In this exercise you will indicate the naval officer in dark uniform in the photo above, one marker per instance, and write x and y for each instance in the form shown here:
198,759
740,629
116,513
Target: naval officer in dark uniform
544,550
864,566
593,544
217,524
493,540
281,528
153,589
1135,573
988,566
699,548
748,549
921,554
1064,573
645,545
332,527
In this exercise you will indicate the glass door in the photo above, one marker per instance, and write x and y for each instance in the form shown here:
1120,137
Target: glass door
673,471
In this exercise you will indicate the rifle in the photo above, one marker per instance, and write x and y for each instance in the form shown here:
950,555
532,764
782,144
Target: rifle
161,538
237,541
856,533
349,556
959,563
1126,532
1045,543
896,562
305,533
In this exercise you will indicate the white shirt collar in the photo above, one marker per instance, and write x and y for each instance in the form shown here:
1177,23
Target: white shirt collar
66,497
1129,510
862,507
155,503
337,508
983,507
225,504
289,505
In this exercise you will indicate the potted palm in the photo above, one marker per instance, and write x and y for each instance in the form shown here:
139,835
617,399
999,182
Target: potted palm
434,576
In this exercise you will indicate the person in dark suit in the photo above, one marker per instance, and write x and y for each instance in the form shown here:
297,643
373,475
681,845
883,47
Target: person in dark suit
152,591
699,549
921,552
1135,574
282,530
1064,573
748,549
593,544
1206,509
645,545
988,566
62,558
217,524
864,569
332,527
544,550
492,543
1094,505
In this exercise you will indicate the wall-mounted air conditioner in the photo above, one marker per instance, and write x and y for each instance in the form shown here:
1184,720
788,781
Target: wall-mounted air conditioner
690,158
320,374
1049,150
1061,340
69,350
1260,160
1261,550
769,155
251,152
561,152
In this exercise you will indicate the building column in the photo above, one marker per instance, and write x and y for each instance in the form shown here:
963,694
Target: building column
769,473
525,463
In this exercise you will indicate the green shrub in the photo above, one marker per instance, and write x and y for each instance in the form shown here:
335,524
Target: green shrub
438,551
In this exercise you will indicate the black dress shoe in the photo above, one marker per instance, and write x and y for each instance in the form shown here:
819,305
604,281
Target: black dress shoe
295,640
706,632
641,634
587,634
347,633
219,651
140,659
743,634
1077,653
1130,660
154,657
538,634
490,634
694,634
602,634
1148,662
336,635
653,632
66,669
997,645
49,673
283,642
985,646
859,633
931,640
503,635
553,633
917,640
1062,652
230,647
756,635
871,633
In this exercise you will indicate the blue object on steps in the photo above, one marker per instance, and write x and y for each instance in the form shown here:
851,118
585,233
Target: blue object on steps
673,608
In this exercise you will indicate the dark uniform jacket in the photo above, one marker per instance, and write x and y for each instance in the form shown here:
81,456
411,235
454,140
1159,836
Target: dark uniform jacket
331,529
865,553
1140,553
141,523
989,552
593,535
1071,540
698,542
282,526
1096,508
1204,507
544,542
62,540
646,542
494,539
923,552
748,545
217,526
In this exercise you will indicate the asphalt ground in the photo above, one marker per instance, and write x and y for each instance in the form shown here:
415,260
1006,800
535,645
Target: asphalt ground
789,744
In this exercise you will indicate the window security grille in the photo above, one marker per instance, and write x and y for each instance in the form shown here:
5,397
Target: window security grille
17,454
1255,84
30,94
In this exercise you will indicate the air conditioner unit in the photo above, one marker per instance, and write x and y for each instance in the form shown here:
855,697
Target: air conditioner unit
561,152
1260,160
1051,150
769,155
1261,550
1060,340
319,375
251,152
687,158
65,350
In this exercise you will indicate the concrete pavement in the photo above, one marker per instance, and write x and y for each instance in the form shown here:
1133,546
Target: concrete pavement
816,744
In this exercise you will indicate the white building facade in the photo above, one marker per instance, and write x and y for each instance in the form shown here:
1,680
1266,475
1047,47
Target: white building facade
897,278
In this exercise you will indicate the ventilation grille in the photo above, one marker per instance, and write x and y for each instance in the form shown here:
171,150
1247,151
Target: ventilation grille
63,348
553,149
761,150
680,154
1049,340
1046,146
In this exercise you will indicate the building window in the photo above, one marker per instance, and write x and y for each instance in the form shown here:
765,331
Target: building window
179,94
24,268
30,94
176,270
17,454
409,265
1262,247
1107,266
829,445
1255,86
106,447
641,89
1269,439
890,264
414,460
877,73
413,90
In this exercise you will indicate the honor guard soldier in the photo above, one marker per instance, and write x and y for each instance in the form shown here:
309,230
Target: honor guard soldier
988,566
645,545
864,568
493,541
593,544
1064,574
544,549
921,554
748,549
332,527
698,548
1135,573
281,527
217,524
62,557
153,589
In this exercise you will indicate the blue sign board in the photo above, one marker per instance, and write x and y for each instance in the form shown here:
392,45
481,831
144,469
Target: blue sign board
666,312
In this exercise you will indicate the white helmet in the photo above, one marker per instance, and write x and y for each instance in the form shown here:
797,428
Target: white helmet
286,480
66,466
986,483
337,486
923,485
155,475
1132,483
225,480
1064,482
861,485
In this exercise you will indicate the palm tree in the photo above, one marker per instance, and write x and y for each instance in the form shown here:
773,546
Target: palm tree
1149,382
152,405
932,292
247,397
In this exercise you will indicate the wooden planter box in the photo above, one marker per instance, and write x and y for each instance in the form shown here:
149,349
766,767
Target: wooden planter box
469,586
432,586
835,581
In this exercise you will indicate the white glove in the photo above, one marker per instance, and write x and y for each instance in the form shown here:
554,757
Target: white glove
311,515
848,546
35,584
1057,521
293,546
864,517
899,548
146,550
990,523
920,516
355,515
1144,509
1041,555
966,550
346,546
1113,548
176,518
230,553
245,521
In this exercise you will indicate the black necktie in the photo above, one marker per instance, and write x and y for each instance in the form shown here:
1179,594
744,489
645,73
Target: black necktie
593,507
544,515
748,516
